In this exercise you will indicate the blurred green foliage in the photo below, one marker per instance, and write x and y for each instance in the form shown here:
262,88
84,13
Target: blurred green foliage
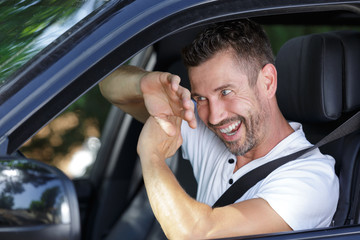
47,200
21,23
279,34
6,201
57,141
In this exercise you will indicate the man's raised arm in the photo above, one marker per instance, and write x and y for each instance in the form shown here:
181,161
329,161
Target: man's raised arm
182,217
141,93
122,88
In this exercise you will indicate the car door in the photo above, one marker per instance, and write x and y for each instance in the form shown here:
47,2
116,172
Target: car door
86,54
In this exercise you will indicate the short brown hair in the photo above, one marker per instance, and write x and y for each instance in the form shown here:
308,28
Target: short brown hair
247,38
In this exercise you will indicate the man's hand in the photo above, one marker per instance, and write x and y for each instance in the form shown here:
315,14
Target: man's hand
155,144
141,93
165,98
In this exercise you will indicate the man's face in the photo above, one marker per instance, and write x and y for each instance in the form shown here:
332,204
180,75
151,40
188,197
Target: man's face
227,104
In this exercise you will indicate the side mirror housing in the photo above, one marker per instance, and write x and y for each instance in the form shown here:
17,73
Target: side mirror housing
37,201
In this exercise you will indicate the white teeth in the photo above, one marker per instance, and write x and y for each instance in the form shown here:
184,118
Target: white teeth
230,128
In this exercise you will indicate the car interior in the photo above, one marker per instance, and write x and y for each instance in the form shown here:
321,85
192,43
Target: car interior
317,86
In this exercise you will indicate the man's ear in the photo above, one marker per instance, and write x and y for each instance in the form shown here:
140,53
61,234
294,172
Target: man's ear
269,80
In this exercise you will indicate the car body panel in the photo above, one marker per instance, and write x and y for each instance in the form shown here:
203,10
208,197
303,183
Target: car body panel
91,50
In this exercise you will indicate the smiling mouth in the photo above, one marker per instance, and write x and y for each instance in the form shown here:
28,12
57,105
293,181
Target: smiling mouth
231,130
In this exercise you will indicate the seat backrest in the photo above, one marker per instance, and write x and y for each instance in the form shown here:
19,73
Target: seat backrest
318,83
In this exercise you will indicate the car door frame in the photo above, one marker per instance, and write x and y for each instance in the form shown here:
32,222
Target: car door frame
88,52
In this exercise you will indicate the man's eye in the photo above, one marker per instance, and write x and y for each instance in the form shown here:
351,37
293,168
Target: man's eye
225,92
201,98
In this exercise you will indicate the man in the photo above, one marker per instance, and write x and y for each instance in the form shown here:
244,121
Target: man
237,126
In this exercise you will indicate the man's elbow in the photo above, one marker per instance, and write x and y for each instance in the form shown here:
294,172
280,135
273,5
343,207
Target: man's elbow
200,229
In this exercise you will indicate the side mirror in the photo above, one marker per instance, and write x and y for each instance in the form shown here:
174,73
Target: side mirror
37,201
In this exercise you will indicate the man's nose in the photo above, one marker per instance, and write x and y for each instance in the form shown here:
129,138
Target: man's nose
217,112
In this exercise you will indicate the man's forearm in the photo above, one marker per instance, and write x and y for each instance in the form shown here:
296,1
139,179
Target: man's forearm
123,85
180,216
122,88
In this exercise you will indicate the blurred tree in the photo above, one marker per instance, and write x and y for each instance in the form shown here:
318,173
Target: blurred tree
6,201
22,22
36,206
47,200
49,197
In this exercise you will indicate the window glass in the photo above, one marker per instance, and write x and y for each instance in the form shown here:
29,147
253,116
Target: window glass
28,26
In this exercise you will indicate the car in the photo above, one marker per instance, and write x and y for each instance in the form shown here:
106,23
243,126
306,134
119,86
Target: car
317,47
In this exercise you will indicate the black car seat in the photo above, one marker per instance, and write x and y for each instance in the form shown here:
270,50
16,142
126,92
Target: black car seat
318,84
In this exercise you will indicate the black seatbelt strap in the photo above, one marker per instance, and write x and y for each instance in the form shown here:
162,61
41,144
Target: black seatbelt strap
244,183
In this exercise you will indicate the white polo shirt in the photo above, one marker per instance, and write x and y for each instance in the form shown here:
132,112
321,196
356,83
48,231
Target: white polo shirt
303,192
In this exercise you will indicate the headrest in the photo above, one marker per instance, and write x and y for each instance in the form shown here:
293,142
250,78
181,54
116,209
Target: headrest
318,78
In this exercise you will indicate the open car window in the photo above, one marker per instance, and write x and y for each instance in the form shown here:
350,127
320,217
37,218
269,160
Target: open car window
72,140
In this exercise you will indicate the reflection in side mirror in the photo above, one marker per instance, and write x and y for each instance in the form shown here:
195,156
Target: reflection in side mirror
37,201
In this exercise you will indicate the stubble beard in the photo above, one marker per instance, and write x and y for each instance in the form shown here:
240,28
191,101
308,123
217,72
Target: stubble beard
251,138
253,130
252,126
